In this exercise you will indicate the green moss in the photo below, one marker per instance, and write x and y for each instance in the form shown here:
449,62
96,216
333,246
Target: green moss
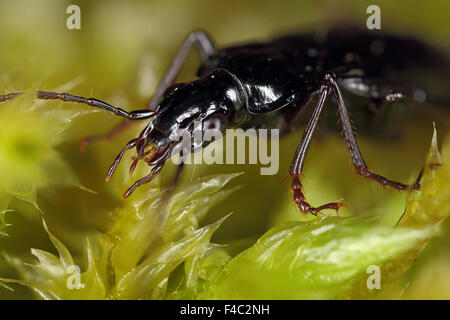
313,260
320,259
114,271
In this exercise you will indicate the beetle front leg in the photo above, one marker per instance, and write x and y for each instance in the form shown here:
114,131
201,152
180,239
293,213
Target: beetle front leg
297,162
206,50
303,205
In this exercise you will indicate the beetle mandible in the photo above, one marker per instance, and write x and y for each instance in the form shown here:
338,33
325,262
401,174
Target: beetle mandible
278,78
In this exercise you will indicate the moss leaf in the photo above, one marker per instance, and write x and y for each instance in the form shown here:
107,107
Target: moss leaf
431,204
312,260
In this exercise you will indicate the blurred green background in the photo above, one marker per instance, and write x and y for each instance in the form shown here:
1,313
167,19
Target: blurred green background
120,53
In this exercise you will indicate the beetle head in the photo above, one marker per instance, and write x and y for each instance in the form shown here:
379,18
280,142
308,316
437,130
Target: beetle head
210,102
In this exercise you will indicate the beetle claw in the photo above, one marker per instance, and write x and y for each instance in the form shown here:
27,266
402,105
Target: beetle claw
304,206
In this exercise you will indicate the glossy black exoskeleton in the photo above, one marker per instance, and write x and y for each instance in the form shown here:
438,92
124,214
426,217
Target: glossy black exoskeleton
276,80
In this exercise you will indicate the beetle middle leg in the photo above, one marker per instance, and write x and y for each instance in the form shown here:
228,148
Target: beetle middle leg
206,50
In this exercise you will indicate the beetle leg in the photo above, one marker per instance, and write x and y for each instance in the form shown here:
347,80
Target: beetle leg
297,162
303,205
206,50
393,96
357,159
390,96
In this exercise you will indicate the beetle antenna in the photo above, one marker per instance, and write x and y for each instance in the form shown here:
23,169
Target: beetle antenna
49,95
9,96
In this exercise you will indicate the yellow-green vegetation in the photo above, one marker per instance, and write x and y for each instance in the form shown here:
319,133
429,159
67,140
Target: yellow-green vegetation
156,249
58,216
135,257
28,155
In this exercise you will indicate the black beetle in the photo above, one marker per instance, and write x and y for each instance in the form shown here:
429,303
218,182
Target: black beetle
280,77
